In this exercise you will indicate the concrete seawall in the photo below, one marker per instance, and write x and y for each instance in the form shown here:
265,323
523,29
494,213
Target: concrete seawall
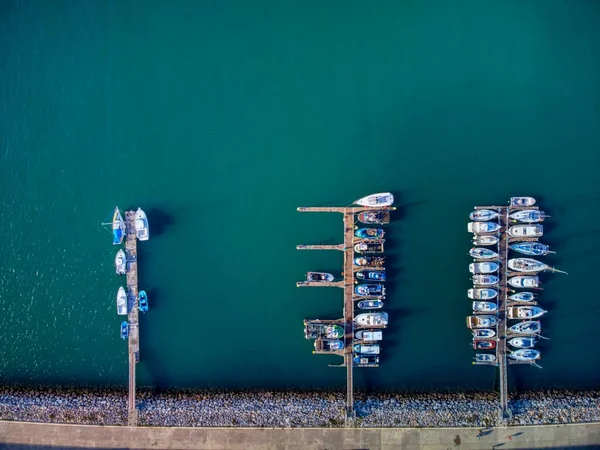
21,434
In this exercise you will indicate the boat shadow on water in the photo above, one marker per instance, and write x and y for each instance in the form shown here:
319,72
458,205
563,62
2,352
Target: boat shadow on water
159,221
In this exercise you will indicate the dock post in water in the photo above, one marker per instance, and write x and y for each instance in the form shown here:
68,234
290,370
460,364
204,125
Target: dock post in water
133,313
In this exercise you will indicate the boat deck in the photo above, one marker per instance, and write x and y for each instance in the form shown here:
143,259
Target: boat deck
133,313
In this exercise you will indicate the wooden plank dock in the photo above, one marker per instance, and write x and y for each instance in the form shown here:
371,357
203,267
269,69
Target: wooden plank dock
133,313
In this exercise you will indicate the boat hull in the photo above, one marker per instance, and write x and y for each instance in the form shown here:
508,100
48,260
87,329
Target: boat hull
484,307
374,217
482,294
482,253
142,231
522,201
527,327
531,248
485,280
482,227
372,320
482,239
484,321
371,275
121,263
121,302
370,261
369,233
524,282
526,265
370,304
525,312
526,231
483,268
378,200
318,277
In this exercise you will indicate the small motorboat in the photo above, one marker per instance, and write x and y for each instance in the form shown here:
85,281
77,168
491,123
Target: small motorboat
118,227
319,277
484,344
526,231
369,246
525,312
366,360
526,327
485,239
522,342
327,345
482,294
376,200
334,331
482,227
377,320
484,307
369,335
374,217
484,333
485,280
121,302
370,261
124,330
483,267
522,297
371,275
482,253
370,304
525,354
484,357
319,330
524,282
121,262
141,225
529,216
369,233
143,301
529,265
366,349
481,321
483,215
522,201
531,248
370,290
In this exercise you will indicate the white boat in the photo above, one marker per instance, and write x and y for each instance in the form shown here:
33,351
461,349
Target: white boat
484,307
483,333
366,349
525,354
379,319
483,267
121,262
482,227
527,327
525,312
524,297
529,265
141,225
482,294
526,231
482,253
522,342
531,248
522,201
483,215
369,335
524,282
485,280
121,302
376,200
485,357
529,216
485,239
481,321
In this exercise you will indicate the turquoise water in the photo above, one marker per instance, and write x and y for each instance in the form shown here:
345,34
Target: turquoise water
220,118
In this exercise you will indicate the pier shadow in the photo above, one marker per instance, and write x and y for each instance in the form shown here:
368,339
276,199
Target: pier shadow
159,221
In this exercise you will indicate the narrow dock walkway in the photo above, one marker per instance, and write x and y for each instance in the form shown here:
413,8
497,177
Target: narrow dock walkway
133,313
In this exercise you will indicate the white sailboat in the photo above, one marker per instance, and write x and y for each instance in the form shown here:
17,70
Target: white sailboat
529,216
524,297
483,215
482,253
376,200
529,265
527,327
525,355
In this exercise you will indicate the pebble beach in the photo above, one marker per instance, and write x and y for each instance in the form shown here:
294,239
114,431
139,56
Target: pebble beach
216,408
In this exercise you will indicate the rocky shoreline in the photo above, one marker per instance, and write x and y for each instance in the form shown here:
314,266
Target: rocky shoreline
218,408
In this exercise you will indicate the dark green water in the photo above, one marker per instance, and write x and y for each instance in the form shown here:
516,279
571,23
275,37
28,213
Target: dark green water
220,118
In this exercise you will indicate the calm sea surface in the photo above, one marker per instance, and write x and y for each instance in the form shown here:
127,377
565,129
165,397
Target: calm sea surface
221,117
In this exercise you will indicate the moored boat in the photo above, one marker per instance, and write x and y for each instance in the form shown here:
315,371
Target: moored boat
522,201
483,267
143,301
526,327
482,253
370,246
118,227
121,262
370,304
370,261
522,342
369,335
318,330
369,233
485,280
485,239
484,357
531,248
484,307
482,294
327,345
522,297
526,231
525,354
370,290
121,301
142,230
524,282
529,216
482,227
483,215
371,275
366,349
483,333
366,360
481,321
376,200
375,320
526,265
124,330
525,312
319,277
479,344
374,217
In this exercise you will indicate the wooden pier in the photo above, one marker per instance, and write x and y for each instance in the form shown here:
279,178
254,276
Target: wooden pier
133,313
348,214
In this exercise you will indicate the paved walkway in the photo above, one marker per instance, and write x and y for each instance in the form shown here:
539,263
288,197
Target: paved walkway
563,436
